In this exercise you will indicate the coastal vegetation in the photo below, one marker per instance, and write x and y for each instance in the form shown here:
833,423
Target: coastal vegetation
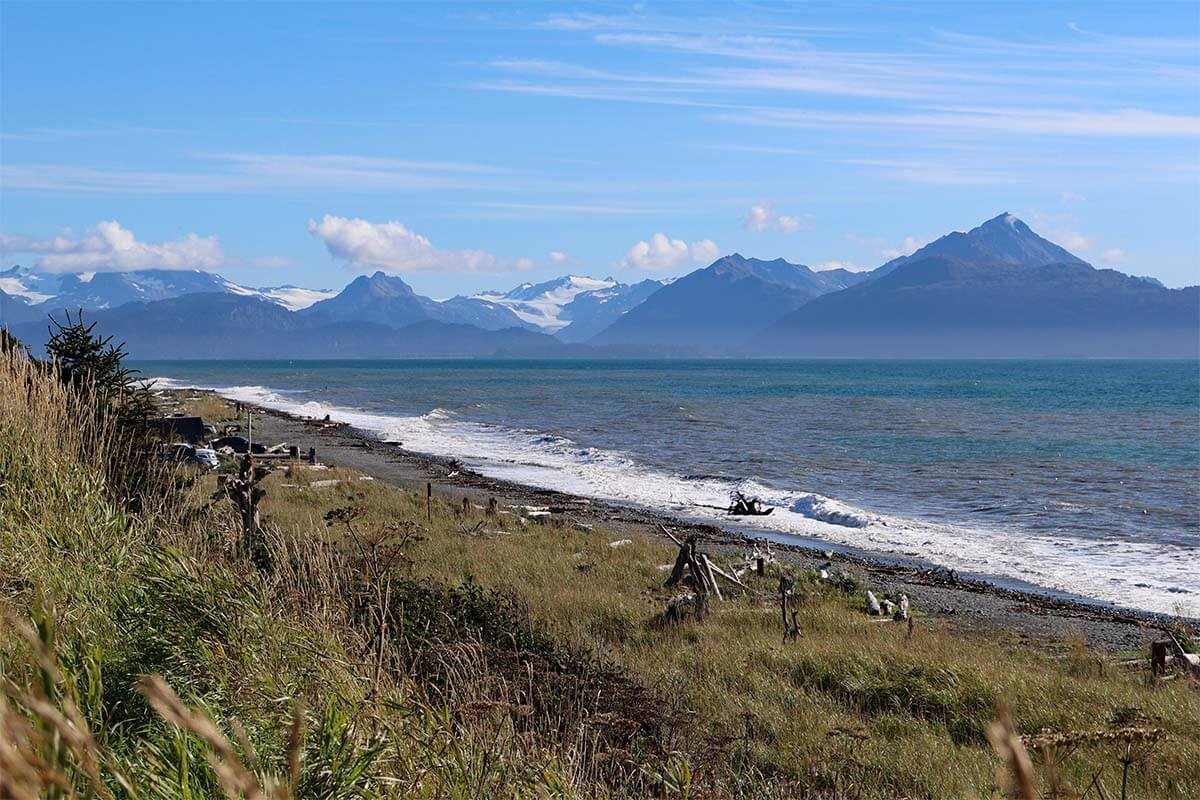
370,642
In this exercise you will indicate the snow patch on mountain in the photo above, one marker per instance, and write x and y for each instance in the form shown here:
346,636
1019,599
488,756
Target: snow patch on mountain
543,304
294,298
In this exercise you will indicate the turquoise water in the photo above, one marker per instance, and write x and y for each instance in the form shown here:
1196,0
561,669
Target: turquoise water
1075,475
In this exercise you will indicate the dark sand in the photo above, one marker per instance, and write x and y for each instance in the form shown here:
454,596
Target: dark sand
1041,619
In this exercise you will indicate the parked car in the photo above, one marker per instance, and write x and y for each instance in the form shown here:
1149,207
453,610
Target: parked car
184,453
238,444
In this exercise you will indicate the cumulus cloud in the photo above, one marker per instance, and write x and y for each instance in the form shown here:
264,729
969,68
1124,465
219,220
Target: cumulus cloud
559,257
391,247
909,246
762,217
1113,256
758,218
663,253
108,247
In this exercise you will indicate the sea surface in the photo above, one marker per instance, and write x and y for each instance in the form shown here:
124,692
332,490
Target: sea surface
1076,476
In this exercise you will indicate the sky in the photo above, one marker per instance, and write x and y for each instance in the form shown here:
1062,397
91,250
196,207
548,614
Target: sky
470,146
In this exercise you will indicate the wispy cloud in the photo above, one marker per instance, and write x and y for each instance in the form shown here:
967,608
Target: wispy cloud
1130,122
50,134
251,172
553,209
1072,82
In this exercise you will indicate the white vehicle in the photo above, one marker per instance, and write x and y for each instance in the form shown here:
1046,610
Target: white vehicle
207,457
181,452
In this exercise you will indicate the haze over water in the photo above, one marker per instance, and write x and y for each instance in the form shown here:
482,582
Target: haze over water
1080,476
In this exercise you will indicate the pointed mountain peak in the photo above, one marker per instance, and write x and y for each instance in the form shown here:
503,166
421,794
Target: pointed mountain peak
1005,222
1003,239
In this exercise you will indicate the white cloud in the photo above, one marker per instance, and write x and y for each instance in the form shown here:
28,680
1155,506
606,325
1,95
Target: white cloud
1114,256
758,218
108,247
909,246
705,251
559,257
762,217
392,247
663,253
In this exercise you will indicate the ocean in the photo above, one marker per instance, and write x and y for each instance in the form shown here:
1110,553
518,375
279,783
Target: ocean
1080,477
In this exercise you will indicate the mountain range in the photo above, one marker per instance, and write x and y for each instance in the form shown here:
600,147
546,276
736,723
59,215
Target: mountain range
715,309
997,290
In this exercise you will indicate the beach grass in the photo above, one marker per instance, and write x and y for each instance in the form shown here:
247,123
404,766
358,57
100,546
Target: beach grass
369,645
853,702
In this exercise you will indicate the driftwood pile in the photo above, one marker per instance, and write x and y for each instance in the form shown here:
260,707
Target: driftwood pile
697,572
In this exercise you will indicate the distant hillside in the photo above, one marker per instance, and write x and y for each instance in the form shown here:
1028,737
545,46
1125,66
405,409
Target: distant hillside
213,325
715,309
942,307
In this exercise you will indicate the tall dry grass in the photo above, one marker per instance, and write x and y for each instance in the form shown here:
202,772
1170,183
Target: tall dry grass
143,656
369,652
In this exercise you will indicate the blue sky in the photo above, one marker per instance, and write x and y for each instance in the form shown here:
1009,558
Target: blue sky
472,146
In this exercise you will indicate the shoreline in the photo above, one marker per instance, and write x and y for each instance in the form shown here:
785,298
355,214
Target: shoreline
981,603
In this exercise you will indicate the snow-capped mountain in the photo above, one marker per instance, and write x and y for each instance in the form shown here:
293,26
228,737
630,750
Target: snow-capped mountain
570,301
542,304
98,290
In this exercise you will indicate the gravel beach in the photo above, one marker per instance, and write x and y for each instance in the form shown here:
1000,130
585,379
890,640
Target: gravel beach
979,605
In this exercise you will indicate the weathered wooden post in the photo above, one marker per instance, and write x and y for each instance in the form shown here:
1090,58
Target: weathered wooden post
1158,658
760,566
786,587
429,502
243,491
493,508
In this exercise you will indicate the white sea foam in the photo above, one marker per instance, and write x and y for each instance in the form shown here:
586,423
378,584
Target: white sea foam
1148,576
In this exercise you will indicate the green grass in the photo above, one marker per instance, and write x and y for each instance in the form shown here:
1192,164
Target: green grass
474,657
